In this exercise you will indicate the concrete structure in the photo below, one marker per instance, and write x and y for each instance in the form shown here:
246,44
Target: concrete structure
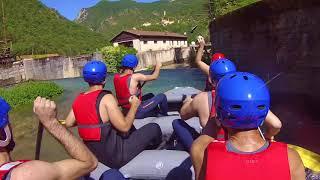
278,40
58,67
150,40
173,55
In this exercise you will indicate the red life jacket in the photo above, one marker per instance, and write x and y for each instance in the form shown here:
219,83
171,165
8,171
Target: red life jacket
221,135
7,167
123,91
271,163
87,115
208,86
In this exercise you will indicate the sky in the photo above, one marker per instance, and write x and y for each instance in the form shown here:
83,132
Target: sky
71,8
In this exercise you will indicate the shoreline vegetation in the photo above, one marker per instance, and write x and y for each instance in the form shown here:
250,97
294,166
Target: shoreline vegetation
26,92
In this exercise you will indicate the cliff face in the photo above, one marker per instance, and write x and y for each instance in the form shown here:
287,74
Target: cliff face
278,41
82,16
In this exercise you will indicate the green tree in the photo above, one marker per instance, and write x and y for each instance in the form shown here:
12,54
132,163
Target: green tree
113,56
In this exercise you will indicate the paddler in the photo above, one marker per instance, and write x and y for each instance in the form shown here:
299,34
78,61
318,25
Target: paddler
203,66
202,106
82,160
128,83
102,126
246,154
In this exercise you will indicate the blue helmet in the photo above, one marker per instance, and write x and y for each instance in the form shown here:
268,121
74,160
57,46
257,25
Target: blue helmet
221,67
130,61
242,101
4,110
94,72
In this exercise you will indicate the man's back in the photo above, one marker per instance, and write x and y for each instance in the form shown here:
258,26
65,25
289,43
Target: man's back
223,163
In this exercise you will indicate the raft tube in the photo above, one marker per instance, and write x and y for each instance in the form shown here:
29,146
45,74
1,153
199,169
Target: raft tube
173,164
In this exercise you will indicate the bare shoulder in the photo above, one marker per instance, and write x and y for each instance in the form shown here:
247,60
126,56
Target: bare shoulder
108,99
293,155
137,76
296,165
201,97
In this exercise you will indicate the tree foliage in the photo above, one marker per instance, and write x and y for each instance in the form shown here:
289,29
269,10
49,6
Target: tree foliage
111,17
221,7
36,29
113,56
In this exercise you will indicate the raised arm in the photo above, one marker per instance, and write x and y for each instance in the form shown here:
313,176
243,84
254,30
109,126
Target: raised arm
202,66
144,78
273,125
82,162
117,119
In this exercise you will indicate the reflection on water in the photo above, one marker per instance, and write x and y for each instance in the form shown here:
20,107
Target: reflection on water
297,112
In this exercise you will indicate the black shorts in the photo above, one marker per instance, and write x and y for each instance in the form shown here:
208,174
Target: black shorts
116,149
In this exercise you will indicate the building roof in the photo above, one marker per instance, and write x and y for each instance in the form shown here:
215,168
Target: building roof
155,33
141,34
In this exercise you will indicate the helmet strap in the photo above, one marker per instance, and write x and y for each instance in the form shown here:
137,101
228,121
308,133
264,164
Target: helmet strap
261,134
8,137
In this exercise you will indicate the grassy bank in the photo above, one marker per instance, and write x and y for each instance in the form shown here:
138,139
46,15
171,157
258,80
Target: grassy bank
26,92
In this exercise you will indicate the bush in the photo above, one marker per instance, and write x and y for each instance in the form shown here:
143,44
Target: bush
113,56
27,92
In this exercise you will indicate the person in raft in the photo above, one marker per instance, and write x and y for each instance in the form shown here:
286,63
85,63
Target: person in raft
102,126
246,153
7,143
202,106
203,66
128,83
82,160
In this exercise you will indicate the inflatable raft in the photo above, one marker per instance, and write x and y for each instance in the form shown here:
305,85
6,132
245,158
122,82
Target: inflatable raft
174,164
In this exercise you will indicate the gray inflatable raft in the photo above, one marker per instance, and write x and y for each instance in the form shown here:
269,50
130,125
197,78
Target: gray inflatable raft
160,164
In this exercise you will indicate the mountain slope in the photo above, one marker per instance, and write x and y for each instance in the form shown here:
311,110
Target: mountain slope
34,28
178,16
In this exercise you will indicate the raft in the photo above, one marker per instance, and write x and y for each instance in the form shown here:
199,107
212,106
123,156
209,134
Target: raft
174,164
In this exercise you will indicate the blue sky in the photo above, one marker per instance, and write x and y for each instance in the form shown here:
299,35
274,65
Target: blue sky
71,8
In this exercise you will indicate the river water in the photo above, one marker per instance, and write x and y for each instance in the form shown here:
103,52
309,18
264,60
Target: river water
297,112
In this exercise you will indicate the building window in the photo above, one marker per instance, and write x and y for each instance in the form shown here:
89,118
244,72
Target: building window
145,42
155,42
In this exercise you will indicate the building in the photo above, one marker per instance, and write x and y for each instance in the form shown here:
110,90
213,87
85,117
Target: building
150,40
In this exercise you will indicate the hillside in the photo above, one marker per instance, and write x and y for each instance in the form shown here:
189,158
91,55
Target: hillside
34,28
178,16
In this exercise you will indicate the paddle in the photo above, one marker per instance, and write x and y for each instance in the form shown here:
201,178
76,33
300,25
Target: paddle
39,140
205,48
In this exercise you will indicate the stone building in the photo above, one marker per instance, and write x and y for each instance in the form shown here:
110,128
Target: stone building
150,40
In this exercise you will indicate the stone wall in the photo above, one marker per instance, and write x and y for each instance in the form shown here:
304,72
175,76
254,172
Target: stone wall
54,67
12,75
59,67
43,69
176,55
274,38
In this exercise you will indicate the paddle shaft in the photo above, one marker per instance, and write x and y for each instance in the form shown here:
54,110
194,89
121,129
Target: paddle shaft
39,140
